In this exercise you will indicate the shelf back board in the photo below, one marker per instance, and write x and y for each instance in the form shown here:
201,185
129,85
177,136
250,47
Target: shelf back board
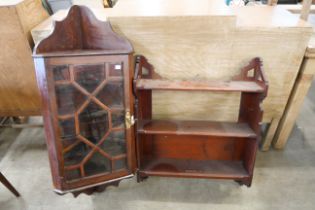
209,42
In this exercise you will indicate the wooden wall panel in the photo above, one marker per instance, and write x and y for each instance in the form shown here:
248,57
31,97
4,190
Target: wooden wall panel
31,13
18,89
210,43
214,49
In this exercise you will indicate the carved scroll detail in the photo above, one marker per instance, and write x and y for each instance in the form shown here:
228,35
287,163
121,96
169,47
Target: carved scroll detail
81,30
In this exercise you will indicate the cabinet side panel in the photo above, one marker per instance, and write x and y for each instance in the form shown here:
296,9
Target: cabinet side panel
54,159
144,111
251,113
250,110
129,62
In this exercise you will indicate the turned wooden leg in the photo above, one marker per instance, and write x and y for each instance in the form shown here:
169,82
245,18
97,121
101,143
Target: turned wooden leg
8,185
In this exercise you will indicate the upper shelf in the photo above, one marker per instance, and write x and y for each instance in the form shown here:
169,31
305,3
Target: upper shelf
236,86
251,79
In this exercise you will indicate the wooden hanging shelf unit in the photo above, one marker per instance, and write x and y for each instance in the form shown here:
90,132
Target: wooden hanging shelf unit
203,149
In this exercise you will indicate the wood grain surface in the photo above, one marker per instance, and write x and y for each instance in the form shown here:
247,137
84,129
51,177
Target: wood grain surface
18,90
210,44
201,128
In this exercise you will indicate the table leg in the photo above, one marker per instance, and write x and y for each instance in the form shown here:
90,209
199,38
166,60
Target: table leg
6,183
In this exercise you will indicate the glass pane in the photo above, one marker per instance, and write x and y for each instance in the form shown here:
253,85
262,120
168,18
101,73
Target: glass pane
118,119
115,70
66,142
115,143
76,154
112,95
94,119
61,73
97,164
67,128
94,123
89,76
72,174
69,99
120,164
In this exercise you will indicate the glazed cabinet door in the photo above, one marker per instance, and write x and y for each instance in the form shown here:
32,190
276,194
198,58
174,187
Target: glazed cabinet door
91,110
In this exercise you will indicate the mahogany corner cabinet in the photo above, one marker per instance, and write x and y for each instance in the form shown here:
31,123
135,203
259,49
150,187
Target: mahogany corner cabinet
97,108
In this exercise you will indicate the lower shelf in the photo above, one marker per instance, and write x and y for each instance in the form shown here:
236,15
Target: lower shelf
201,128
225,169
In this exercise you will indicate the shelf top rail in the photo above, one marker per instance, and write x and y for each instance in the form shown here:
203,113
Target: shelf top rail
250,79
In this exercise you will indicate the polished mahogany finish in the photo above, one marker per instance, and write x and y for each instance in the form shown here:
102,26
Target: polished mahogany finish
202,149
84,72
198,128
